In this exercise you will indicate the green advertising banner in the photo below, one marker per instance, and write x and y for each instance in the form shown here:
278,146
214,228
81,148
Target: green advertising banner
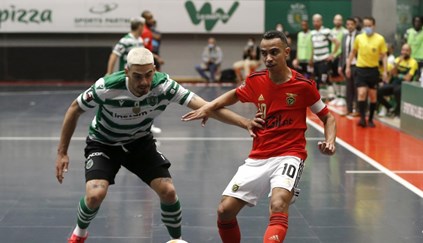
412,108
290,13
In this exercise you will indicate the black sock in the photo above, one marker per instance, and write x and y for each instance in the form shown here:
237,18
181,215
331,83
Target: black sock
362,109
372,109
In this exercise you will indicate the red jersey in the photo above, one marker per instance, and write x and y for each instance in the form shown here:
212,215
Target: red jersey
284,108
147,37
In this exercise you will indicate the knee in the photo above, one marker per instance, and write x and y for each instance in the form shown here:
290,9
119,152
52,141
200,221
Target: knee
95,198
167,193
279,206
223,212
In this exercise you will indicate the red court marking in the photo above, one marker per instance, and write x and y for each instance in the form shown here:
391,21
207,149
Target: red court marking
392,148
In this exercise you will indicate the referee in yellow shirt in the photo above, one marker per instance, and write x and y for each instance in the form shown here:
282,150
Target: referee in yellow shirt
369,47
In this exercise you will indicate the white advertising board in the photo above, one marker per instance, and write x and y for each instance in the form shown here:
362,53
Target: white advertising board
112,16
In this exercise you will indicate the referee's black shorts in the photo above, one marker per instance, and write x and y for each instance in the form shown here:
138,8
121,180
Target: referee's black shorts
140,157
366,77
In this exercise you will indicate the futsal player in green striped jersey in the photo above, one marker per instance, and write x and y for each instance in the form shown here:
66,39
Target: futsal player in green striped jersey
127,102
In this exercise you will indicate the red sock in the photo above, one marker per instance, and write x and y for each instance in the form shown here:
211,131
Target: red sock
229,231
276,231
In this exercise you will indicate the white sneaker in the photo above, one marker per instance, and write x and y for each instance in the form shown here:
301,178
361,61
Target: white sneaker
155,129
382,111
341,102
333,102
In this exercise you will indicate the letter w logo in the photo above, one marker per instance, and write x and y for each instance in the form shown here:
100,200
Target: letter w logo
205,13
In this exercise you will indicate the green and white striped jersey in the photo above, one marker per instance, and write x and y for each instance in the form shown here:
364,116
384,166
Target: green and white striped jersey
123,47
321,40
121,116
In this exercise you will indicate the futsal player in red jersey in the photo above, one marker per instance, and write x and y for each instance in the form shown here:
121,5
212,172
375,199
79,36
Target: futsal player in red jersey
277,157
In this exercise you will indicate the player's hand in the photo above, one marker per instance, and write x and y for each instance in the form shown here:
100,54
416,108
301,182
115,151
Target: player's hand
197,115
348,72
255,123
326,148
62,163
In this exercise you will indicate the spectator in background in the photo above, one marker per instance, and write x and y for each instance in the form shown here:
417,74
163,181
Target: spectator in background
347,46
358,23
338,32
321,39
211,59
391,57
149,36
304,51
125,44
369,48
404,69
250,60
414,38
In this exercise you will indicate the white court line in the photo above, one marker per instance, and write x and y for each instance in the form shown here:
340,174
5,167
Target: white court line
372,162
380,172
158,138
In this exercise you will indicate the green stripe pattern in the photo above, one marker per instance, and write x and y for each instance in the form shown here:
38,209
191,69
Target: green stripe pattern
85,214
172,218
122,117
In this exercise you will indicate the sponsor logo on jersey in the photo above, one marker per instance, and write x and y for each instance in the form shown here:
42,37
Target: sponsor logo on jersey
277,121
89,164
235,187
261,98
206,13
290,98
121,102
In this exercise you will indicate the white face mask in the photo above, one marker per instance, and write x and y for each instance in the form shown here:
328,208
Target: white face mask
368,30
280,29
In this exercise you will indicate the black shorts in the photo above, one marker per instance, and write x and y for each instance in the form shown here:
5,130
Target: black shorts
366,77
322,72
140,157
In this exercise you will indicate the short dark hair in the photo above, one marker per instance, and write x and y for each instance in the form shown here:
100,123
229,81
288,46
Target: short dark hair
371,19
352,20
272,34
135,25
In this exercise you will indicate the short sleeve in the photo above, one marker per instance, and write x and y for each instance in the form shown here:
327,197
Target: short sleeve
383,47
413,68
90,98
119,49
178,94
245,92
356,42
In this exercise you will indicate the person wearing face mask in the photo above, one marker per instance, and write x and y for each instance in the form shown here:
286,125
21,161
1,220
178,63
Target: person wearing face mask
211,59
369,47
404,69
251,60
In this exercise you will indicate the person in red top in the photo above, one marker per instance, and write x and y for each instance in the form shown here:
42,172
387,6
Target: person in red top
275,163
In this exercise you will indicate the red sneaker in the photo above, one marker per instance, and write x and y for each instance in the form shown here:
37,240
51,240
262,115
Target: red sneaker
77,239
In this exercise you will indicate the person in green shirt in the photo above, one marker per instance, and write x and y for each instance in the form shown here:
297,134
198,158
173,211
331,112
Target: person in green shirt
338,32
304,50
414,38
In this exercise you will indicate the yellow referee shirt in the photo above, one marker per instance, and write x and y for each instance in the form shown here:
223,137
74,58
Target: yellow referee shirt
369,49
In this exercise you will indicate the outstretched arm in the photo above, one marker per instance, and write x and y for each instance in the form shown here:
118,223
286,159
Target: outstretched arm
68,128
328,146
216,110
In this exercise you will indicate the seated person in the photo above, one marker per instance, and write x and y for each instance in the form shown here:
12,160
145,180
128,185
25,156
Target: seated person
404,69
211,60
251,60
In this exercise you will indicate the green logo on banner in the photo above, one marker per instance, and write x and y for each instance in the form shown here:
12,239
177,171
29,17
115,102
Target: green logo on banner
205,13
